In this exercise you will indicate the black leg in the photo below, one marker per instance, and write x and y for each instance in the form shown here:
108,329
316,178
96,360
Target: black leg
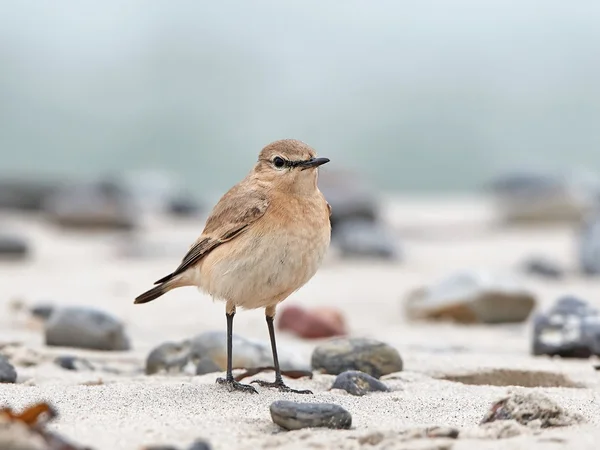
228,380
278,380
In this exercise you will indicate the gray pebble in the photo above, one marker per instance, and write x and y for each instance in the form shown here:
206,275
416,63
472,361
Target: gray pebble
13,247
366,355
8,374
168,357
207,365
200,445
295,416
42,311
358,383
73,363
85,328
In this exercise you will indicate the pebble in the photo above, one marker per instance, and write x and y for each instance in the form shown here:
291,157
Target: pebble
87,328
169,357
544,267
24,194
42,311
295,416
358,383
8,374
570,328
313,323
207,365
73,363
359,238
531,409
200,444
13,247
471,296
366,355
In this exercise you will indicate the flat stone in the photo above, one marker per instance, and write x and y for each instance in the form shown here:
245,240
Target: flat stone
531,409
570,328
168,357
366,355
8,374
471,297
87,328
321,322
358,383
295,416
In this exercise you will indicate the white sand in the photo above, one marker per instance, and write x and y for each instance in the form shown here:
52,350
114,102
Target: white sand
128,411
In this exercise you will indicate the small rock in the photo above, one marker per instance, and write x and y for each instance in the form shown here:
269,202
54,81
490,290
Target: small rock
100,205
295,416
246,353
42,311
310,324
366,355
25,194
200,445
570,329
366,239
183,206
358,383
73,363
85,328
168,357
544,267
471,297
530,197
8,374
13,247
589,246
531,409
207,365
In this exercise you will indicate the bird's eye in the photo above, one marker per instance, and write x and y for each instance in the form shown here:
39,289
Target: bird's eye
278,162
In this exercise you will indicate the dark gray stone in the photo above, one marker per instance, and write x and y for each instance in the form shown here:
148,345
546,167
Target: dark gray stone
357,238
589,246
73,363
13,247
8,374
366,355
358,383
571,329
42,311
85,328
200,444
544,267
168,357
295,416
25,194
207,365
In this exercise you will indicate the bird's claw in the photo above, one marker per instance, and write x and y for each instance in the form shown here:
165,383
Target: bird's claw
281,386
233,385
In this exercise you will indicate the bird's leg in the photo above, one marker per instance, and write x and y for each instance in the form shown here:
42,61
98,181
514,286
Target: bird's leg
231,384
278,383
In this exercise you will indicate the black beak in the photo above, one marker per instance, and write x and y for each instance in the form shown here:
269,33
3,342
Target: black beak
313,162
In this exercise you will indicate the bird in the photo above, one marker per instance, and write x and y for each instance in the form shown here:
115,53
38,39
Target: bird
264,239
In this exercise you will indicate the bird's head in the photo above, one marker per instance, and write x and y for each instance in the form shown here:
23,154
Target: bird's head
289,165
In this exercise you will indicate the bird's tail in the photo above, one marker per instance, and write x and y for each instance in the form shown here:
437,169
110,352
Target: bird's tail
157,291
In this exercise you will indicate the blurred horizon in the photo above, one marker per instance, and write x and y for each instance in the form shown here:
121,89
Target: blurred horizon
424,96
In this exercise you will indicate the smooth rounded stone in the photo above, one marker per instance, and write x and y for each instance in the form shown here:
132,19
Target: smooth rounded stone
168,357
471,297
85,328
8,374
349,196
42,311
543,267
570,329
97,205
200,444
544,197
312,323
531,409
246,353
207,365
358,383
73,363
13,247
589,246
295,416
359,238
366,355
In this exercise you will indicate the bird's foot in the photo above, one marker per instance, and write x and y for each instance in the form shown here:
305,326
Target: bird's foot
279,384
233,385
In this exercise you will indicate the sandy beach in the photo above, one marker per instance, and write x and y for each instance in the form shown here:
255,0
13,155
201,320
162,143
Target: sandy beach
125,409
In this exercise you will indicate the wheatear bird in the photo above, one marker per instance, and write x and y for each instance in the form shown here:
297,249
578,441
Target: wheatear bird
264,239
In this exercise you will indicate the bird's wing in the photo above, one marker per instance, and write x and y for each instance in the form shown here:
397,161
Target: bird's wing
231,216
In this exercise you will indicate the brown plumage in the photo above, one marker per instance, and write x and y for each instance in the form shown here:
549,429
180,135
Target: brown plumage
264,239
